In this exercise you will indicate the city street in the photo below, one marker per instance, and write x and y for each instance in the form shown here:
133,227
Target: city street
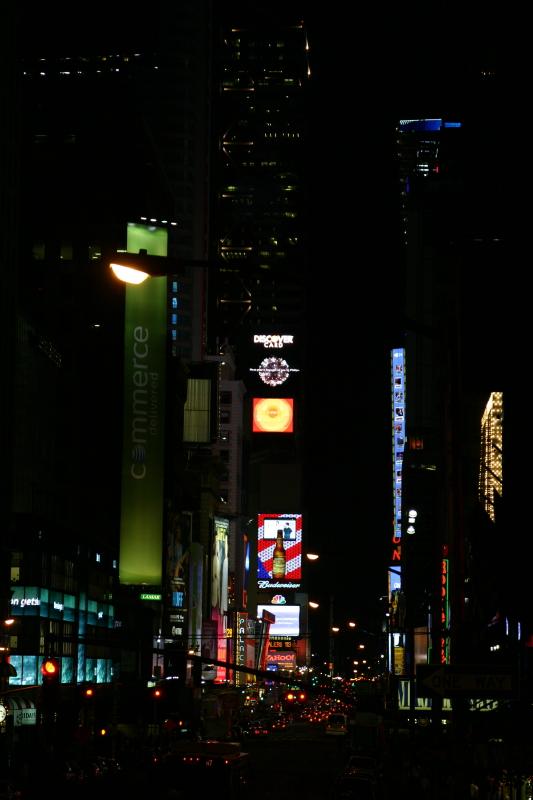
300,761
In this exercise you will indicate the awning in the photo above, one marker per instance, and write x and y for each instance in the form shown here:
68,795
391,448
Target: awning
22,708
18,702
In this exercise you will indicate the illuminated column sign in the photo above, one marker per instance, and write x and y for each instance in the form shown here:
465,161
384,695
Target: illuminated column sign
240,649
444,609
219,589
398,398
141,522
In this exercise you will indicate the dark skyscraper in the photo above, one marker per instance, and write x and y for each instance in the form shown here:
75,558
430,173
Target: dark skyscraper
260,207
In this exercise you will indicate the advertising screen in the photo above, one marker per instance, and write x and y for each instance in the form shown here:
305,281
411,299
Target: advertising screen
279,564
274,359
399,410
273,415
287,620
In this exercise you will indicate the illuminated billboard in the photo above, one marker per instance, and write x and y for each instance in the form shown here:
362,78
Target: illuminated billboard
398,403
273,415
285,660
145,336
275,358
274,370
279,551
287,620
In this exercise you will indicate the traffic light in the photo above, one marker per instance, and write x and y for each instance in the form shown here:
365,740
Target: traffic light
158,697
51,672
51,675
87,691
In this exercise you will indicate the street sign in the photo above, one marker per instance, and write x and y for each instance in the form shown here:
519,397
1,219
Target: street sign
465,680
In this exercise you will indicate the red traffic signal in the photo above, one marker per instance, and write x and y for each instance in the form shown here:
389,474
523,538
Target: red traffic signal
50,670
295,696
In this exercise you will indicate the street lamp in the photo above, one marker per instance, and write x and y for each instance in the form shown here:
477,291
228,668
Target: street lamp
137,267
333,629
128,274
331,647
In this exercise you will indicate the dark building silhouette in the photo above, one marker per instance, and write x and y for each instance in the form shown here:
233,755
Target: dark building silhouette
128,128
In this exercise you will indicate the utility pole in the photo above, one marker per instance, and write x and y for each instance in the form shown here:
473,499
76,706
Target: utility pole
331,645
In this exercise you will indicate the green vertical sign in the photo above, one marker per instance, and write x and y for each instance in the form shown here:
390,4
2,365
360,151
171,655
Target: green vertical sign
141,529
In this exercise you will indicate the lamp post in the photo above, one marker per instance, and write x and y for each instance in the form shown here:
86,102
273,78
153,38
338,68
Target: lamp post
332,629
151,333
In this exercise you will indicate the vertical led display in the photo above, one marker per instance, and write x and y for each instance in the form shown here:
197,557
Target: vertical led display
219,566
219,588
398,400
282,531
196,582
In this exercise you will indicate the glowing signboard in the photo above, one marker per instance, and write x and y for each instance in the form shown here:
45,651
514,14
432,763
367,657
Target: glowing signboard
287,620
273,415
290,527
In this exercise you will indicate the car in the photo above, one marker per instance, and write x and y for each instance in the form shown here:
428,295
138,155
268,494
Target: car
260,727
207,768
365,764
280,722
337,725
354,787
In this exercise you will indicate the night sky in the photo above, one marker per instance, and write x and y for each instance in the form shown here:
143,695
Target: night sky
369,72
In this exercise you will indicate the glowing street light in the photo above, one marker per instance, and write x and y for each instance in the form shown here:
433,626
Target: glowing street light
128,274
137,267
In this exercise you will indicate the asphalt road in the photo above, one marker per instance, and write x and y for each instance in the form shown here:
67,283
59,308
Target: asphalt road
300,761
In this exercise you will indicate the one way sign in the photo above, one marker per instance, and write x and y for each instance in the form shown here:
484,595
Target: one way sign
460,680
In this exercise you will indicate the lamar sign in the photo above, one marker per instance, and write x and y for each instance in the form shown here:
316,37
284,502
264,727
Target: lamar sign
465,680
